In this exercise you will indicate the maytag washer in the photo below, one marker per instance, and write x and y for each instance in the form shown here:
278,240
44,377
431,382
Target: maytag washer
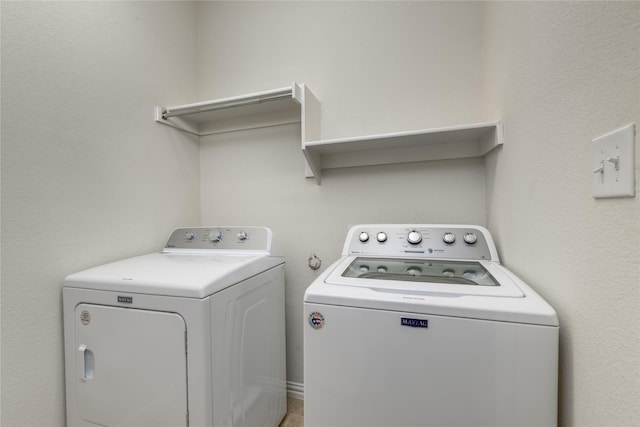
420,325
190,336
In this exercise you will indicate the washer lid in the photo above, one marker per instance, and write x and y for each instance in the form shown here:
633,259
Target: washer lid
424,276
174,274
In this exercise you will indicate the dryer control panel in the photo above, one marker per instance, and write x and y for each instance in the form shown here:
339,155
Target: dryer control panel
228,238
468,242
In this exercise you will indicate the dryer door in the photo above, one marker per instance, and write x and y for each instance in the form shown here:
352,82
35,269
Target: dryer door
131,366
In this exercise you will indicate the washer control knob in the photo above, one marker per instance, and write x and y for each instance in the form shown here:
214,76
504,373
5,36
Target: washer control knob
215,236
364,237
242,235
190,235
470,238
449,238
414,237
382,237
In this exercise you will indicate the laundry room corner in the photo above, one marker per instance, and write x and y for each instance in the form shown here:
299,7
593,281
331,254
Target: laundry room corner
89,174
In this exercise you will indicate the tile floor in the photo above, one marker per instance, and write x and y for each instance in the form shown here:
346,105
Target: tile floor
295,413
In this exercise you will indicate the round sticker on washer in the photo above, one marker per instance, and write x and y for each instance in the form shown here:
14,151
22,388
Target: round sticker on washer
316,320
85,317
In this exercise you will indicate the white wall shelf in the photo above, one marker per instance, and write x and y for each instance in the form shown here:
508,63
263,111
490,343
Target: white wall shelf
473,140
296,104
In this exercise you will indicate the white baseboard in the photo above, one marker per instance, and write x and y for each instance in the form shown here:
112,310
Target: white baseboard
295,390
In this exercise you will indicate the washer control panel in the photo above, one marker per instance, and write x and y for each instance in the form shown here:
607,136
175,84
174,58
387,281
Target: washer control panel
219,237
469,242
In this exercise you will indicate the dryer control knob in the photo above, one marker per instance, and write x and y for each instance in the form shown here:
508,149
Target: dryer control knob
382,237
242,235
364,237
215,236
414,237
470,238
449,238
190,235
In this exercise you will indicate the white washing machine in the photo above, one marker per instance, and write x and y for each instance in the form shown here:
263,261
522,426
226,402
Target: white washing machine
420,325
190,336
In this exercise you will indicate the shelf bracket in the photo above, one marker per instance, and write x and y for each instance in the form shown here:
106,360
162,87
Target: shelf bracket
159,116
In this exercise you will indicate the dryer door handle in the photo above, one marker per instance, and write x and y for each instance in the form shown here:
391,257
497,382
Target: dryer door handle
87,363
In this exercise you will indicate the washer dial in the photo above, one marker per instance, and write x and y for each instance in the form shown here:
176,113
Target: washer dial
382,237
449,238
363,237
215,236
470,238
414,237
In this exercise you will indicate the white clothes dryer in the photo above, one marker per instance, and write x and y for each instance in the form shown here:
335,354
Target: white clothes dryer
420,325
191,336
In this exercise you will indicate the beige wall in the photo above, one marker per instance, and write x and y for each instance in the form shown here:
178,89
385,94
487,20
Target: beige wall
87,176
375,66
560,74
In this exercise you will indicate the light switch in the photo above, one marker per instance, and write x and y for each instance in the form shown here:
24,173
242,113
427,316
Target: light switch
614,164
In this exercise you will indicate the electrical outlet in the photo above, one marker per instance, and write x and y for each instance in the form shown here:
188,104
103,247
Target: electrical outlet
614,164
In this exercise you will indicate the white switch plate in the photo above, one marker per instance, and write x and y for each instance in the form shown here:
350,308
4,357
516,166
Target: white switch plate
611,179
